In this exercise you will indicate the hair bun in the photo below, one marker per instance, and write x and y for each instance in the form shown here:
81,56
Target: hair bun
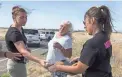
15,8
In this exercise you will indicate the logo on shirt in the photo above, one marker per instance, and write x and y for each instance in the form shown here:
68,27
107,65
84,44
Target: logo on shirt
107,44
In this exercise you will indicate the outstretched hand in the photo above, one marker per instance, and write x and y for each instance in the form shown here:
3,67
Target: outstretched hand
48,65
52,68
74,60
42,62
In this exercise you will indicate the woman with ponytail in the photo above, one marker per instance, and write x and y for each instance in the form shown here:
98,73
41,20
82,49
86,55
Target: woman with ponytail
94,60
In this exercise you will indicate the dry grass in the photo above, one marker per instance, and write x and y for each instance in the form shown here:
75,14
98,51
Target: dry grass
78,39
34,70
2,33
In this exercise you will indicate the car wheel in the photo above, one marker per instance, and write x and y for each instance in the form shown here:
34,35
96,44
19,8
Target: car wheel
40,39
49,38
38,45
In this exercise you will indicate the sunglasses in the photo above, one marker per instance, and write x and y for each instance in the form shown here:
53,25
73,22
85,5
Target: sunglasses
84,24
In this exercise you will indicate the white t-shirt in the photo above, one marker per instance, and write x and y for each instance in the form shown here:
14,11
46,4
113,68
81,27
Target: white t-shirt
54,54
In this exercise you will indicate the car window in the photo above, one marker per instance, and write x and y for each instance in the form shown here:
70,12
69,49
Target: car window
47,32
30,31
42,32
51,32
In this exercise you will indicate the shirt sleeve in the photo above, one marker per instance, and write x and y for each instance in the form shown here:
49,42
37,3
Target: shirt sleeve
16,36
88,54
68,44
0,46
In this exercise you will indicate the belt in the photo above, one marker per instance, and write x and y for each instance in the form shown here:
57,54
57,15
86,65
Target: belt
23,60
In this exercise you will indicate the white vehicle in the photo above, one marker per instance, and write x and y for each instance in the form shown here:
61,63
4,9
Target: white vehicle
46,35
32,36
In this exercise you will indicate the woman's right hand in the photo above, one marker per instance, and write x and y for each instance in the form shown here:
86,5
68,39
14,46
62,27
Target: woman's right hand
48,65
43,63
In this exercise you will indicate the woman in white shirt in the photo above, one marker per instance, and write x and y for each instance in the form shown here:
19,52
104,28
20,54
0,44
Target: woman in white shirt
60,47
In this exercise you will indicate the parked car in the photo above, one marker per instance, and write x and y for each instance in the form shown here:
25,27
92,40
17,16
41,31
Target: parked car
32,36
46,35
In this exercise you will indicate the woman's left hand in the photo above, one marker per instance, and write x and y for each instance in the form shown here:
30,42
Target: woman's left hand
52,68
11,55
57,45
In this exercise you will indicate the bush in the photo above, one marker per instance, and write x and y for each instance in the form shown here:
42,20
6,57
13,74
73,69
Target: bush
5,75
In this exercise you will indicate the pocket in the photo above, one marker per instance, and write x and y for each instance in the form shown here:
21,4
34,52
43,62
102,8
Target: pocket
11,64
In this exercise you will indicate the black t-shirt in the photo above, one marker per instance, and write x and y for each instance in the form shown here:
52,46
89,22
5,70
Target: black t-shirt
13,35
96,54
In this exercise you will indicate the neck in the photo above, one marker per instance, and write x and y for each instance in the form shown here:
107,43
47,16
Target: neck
59,34
96,30
17,26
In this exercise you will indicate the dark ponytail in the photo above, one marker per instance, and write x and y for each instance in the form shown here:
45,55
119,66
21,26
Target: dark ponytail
107,19
103,18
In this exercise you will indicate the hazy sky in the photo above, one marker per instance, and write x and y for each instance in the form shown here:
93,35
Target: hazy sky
49,14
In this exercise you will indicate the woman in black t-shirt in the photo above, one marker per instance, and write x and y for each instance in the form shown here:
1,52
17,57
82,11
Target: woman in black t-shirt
95,56
16,43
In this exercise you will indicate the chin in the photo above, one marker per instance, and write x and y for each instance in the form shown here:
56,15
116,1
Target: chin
23,25
63,34
90,33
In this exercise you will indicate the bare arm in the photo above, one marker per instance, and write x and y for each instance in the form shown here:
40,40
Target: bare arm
66,52
79,68
22,49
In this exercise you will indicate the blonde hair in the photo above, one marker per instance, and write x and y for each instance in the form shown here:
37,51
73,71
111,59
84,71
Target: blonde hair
16,10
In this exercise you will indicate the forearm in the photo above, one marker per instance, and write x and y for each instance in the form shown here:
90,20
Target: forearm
33,58
24,51
28,55
68,69
66,52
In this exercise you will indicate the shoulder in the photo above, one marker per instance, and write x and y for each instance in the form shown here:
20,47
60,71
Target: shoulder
97,40
55,34
67,38
12,30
